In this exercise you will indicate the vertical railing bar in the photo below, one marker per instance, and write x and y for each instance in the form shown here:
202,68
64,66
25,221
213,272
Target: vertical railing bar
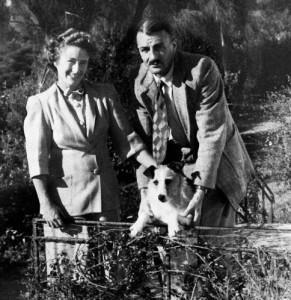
35,252
100,257
263,205
272,217
168,262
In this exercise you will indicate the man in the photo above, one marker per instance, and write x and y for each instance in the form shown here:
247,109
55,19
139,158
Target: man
199,130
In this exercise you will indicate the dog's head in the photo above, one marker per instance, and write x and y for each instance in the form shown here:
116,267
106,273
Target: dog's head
165,183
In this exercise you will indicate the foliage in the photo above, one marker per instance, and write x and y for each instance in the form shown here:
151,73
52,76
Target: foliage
267,275
274,159
138,269
13,162
242,33
14,250
192,36
18,202
16,60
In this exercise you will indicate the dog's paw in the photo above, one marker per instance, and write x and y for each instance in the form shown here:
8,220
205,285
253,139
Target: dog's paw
136,229
173,230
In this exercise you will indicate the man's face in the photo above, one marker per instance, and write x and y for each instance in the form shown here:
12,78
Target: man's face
157,51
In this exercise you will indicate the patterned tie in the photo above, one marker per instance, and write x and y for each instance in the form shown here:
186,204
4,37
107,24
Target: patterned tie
160,127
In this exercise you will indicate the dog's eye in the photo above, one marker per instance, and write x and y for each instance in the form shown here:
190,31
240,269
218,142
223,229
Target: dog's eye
156,182
168,181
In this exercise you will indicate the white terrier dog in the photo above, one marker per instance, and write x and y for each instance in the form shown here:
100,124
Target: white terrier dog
168,194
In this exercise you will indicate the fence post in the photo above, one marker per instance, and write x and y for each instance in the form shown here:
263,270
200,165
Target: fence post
35,250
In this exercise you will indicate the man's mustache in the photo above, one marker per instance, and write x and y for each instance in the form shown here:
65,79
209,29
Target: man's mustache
156,61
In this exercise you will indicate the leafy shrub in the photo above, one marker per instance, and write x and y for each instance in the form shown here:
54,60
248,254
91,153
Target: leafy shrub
14,250
274,161
18,201
16,60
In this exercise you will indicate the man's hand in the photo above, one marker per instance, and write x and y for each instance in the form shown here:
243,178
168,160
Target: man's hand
185,221
195,206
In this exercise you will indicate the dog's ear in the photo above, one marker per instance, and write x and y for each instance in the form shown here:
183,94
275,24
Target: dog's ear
177,167
150,172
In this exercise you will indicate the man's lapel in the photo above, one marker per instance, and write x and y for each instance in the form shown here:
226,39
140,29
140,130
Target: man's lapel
147,89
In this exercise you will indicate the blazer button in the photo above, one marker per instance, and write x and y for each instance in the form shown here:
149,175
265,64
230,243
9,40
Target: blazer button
96,171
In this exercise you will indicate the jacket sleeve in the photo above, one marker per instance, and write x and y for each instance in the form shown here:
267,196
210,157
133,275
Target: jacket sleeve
211,122
126,141
142,124
38,138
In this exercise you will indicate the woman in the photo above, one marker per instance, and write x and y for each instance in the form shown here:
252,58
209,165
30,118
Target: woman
66,128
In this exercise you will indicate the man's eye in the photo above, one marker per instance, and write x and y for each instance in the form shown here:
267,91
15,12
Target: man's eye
156,182
159,47
168,181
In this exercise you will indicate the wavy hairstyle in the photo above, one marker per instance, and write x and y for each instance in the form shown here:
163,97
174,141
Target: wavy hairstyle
69,37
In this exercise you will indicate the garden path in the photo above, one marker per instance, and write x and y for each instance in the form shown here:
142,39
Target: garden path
259,128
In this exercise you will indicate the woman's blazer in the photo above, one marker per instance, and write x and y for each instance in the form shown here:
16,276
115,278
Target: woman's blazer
81,176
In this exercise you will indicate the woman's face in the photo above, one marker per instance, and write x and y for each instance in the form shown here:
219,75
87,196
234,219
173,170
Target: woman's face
71,66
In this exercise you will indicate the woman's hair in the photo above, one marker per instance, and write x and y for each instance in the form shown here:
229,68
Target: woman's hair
69,37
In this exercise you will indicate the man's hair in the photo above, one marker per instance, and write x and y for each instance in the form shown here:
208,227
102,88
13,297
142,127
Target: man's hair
155,24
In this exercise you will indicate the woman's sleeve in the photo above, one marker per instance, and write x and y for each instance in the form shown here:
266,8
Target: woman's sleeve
126,141
38,137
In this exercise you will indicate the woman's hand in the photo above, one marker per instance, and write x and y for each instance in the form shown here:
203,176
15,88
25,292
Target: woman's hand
53,215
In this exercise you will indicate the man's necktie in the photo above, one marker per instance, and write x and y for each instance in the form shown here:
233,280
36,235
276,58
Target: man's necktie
160,127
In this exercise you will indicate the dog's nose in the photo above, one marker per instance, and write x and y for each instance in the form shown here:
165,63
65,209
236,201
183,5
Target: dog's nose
162,198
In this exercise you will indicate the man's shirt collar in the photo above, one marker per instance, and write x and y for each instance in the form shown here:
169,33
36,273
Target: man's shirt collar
167,79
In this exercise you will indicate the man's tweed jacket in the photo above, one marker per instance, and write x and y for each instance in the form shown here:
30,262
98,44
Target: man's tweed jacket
220,156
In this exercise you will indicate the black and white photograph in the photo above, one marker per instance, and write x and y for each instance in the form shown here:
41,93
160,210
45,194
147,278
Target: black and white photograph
145,149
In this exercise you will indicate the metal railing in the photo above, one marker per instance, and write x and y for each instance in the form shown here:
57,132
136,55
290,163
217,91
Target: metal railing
162,255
